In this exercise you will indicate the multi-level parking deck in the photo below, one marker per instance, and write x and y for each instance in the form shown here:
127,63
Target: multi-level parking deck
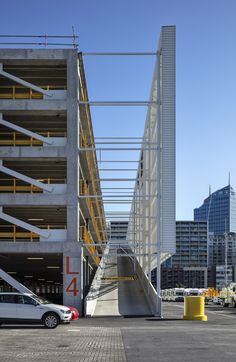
48,225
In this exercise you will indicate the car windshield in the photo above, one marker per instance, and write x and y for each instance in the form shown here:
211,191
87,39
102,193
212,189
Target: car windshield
41,300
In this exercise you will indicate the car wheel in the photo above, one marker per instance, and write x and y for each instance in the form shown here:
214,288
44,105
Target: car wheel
51,320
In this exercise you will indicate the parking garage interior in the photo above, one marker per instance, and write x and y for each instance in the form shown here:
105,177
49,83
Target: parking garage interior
41,273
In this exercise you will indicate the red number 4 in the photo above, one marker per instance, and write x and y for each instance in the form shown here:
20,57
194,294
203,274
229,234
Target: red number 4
72,287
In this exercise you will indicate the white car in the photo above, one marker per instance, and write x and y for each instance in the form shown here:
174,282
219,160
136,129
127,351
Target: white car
28,308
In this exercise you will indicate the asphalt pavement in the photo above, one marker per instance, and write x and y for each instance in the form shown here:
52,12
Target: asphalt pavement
126,339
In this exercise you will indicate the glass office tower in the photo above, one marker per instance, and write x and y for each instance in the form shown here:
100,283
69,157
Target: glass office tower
219,209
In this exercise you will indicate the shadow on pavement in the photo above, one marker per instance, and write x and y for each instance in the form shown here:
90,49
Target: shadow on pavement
164,319
10,326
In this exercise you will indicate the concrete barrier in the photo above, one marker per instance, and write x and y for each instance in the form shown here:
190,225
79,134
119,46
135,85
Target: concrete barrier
148,288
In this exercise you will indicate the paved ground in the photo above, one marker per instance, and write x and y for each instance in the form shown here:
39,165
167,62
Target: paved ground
126,339
120,297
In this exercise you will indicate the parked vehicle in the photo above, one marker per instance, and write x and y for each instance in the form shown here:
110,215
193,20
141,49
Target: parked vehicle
228,296
28,308
173,295
192,292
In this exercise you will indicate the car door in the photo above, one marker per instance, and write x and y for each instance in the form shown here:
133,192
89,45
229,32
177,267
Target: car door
27,308
7,306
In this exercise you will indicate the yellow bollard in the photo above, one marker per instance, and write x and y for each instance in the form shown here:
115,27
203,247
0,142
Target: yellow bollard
194,309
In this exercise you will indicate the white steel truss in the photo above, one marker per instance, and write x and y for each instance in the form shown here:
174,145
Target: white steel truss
151,220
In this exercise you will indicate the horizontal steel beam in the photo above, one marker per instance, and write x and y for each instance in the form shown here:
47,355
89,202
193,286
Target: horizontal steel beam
117,103
122,255
127,245
83,149
118,169
120,53
124,143
118,196
40,36
118,138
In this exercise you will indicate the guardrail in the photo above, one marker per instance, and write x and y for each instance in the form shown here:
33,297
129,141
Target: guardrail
13,185
14,233
19,139
87,239
93,169
21,92
84,190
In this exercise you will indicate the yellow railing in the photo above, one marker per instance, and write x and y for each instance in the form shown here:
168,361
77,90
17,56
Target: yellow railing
21,92
19,139
14,233
84,190
89,135
95,189
87,239
13,185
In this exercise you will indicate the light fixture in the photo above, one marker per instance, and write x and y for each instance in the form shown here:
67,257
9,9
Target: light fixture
41,279
28,276
11,272
49,281
34,258
33,219
53,267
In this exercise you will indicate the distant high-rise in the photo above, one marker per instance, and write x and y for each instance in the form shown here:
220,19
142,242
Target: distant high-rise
219,209
188,267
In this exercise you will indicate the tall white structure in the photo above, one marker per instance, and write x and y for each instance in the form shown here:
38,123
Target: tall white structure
152,220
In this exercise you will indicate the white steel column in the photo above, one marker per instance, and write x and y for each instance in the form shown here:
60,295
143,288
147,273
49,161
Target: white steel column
159,175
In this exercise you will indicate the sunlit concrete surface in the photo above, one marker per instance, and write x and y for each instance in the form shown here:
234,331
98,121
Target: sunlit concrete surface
127,339
121,296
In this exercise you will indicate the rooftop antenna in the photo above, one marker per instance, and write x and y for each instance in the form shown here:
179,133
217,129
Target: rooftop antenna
229,178
209,190
74,38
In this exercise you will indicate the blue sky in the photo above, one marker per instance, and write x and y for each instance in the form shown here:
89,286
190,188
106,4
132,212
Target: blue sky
206,74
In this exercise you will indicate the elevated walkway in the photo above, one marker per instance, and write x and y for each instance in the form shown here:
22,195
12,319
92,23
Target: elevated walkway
119,288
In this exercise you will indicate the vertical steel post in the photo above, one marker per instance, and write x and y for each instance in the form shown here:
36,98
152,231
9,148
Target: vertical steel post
149,202
159,175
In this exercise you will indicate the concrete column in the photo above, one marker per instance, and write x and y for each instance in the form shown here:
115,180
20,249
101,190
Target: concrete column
72,147
72,279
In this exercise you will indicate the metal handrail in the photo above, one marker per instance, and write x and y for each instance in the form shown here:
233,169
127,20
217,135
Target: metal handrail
14,233
95,189
87,239
25,140
27,188
30,94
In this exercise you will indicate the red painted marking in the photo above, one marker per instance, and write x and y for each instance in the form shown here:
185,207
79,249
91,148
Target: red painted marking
72,287
68,272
